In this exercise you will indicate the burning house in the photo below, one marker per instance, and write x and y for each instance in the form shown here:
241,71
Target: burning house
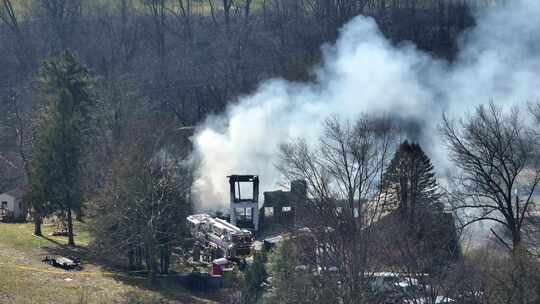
216,238
244,207
278,218
280,207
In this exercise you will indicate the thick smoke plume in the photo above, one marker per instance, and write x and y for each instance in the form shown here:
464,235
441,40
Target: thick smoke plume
363,72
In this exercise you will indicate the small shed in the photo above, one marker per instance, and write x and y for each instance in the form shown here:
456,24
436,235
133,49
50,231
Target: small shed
11,204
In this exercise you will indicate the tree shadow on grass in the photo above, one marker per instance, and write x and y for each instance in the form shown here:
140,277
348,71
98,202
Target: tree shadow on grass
51,240
168,286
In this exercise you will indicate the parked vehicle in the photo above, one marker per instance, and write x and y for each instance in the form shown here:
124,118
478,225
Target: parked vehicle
214,233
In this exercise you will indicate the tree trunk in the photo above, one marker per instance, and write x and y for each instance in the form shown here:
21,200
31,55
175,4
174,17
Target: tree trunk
226,12
137,259
164,259
79,216
71,240
519,256
247,8
131,258
516,242
37,224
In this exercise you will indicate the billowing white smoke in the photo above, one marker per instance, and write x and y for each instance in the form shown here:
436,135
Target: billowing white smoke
364,73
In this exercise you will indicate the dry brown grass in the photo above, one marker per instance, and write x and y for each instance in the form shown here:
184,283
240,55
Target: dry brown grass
25,279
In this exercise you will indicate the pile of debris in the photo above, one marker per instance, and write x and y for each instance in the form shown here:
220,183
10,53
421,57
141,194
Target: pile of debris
67,263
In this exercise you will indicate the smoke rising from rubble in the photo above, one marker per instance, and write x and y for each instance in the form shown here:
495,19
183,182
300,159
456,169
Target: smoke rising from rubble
363,72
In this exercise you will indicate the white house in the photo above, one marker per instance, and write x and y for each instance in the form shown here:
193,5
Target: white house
11,204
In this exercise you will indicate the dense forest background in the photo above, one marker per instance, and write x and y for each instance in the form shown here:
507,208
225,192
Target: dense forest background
171,63
98,100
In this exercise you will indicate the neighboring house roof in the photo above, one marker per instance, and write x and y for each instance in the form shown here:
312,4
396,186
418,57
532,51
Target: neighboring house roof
17,193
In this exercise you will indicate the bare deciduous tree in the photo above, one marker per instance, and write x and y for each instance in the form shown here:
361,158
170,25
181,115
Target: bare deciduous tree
158,12
61,15
344,200
185,14
23,51
499,168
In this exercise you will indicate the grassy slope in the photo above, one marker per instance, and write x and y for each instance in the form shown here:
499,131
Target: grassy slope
198,7
25,279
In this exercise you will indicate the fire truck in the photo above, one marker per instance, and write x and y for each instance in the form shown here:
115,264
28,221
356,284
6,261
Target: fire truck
216,238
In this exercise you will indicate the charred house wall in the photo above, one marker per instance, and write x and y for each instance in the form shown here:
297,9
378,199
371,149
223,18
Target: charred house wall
280,207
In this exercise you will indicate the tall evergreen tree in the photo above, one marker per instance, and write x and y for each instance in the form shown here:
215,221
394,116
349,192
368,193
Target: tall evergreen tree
411,183
423,237
55,181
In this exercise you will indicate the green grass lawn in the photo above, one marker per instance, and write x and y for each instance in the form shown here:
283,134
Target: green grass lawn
25,279
20,236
